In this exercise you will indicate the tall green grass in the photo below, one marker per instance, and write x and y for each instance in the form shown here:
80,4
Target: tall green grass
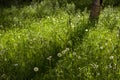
38,44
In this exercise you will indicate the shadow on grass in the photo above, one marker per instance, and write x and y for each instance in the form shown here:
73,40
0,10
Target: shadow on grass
80,32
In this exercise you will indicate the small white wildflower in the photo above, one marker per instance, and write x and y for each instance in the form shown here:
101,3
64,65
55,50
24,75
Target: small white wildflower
79,68
117,17
5,59
59,55
79,57
101,47
115,66
110,65
95,66
53,19
48,17
74,53
88,73
98,74
117,35
106,44
36,69
86,30
67,49
111,57
49,58
15,65
72,25
78,16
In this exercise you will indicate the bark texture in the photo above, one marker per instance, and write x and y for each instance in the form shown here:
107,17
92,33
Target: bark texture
95,10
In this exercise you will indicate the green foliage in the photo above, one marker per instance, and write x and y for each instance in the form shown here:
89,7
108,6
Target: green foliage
112,2
45,42
96,58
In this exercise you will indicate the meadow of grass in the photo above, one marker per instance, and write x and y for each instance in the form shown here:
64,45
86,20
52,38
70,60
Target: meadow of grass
46,43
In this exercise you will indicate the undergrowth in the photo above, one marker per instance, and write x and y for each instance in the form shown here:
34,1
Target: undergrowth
37,44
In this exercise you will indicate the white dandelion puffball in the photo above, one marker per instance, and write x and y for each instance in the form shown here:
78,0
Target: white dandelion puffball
36,69
59,55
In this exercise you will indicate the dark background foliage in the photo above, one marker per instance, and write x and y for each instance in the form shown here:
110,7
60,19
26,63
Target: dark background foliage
78,3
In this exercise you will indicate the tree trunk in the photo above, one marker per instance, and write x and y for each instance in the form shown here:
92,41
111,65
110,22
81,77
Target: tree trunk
95,10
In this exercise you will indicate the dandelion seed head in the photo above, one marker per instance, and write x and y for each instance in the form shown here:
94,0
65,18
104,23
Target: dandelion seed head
59,55
36,69
63,52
